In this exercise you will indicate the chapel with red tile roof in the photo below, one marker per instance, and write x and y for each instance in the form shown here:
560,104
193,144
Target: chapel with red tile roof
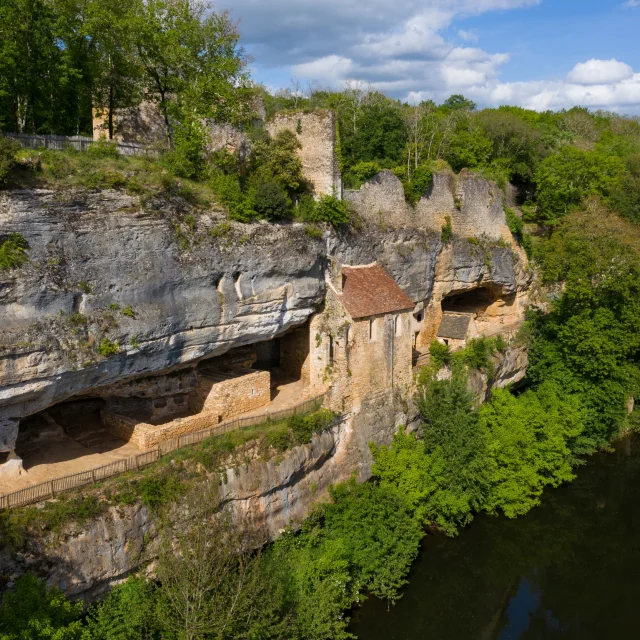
361,342
369,290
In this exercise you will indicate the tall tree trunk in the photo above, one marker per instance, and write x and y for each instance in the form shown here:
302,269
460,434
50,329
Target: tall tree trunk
110,112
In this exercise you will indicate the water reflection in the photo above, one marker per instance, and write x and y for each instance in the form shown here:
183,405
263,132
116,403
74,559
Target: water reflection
569,569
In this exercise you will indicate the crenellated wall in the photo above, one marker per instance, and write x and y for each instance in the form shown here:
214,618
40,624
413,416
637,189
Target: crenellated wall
473,205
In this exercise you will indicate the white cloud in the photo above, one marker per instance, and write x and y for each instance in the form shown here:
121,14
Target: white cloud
403,48
325,69
468,36
599,72
630,4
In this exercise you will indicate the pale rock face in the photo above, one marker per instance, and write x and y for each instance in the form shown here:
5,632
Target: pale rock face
250,283
266,495
238,286
92,250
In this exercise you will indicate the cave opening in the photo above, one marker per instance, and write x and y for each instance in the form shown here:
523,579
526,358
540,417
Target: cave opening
475,301
124,418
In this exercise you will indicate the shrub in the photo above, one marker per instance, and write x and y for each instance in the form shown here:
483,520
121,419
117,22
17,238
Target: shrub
229,192
103,149
280,438
107,348
312,231
129,312
186,159
477,354
8,150
333,211
78,319
129,611
307,209
440,354
271,202
38,612
12,253
515,224
447,231
158,491
362,172
418,184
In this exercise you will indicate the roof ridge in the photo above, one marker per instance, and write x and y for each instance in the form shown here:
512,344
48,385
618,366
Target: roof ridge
362,266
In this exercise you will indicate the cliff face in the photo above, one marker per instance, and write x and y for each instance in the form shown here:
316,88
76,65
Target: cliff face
193,286
93,250
119,290
268,495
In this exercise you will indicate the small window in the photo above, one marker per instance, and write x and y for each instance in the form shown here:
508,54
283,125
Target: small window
253,392
372,330
331,351
398,325
419,317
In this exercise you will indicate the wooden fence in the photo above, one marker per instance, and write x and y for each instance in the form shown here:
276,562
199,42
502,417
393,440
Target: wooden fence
52,488
79,143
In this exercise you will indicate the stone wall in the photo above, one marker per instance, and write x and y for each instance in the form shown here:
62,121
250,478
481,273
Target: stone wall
294,355
231,393
126,428
473,204
143,124
317,134
361,366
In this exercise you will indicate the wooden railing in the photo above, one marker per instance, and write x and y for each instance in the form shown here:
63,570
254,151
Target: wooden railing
79,143
51,488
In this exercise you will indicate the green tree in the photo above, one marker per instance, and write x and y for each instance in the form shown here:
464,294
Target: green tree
193,65
380,537
271,202
127,613
468,148
528,445
589,342
211,583
565,179
115,68
33,611
458,102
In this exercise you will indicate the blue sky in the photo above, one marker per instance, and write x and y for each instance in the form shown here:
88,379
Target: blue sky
537,53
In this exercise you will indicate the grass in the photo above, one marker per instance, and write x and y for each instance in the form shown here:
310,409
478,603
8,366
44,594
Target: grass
16,525
161,483
12,251
76,169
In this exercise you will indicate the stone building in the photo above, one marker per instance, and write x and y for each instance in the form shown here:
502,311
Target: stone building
317,134
455,329
363,337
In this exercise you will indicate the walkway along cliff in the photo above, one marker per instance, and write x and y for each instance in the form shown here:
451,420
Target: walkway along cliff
135,321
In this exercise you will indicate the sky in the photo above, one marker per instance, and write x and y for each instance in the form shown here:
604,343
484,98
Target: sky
539,54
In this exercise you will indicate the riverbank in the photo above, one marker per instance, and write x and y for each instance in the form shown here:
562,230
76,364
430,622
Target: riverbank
567,569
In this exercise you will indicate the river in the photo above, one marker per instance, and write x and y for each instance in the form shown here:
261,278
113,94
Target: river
568,569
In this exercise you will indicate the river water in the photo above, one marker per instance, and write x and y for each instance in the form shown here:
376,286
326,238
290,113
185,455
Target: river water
568,569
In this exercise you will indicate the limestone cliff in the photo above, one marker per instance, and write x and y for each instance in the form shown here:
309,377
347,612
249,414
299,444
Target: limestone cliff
193,285
120,289
269,495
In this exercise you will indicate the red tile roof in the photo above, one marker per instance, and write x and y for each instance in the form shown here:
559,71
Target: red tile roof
371,291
